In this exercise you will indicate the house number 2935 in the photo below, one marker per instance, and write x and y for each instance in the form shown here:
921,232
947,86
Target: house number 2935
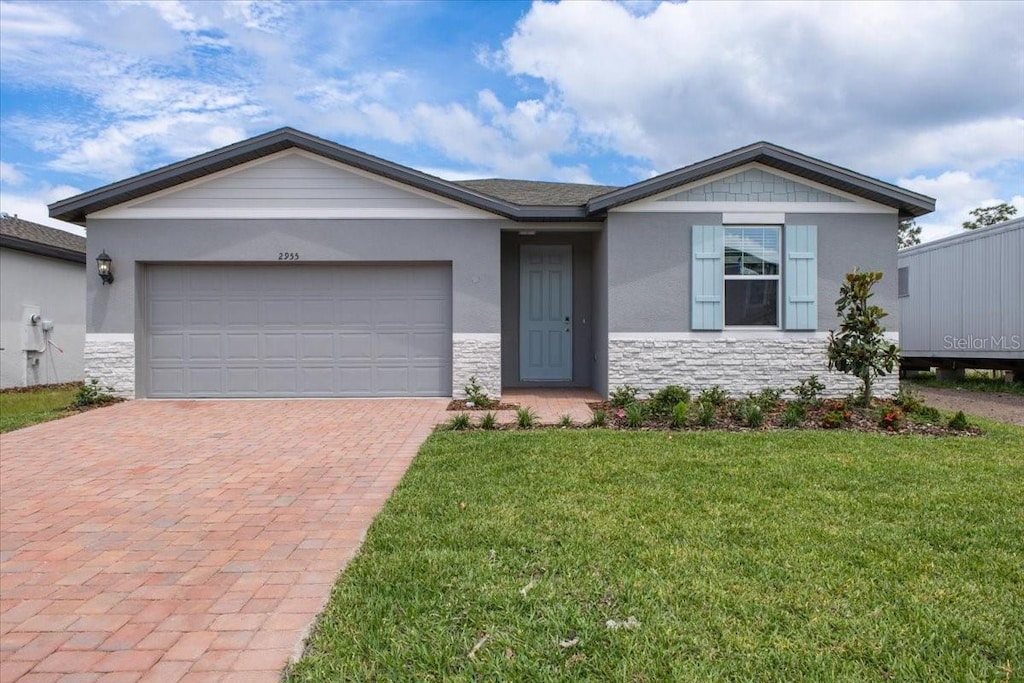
288,256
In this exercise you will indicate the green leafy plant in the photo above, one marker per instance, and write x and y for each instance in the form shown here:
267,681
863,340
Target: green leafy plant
927,414
635,414
749,411
908,399
716,396
526,418
477,395
458,423
834,419
622,396
808,391
891,419
680,413
706,412
860,347
92,394
959,422
794,415
489,421
599,418
664,401
565,421
767,399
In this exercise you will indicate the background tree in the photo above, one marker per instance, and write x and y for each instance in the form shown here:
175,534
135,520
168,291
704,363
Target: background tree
860,347
985,216
908,235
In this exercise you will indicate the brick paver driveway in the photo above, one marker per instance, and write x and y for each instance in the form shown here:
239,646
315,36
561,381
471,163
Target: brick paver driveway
187,540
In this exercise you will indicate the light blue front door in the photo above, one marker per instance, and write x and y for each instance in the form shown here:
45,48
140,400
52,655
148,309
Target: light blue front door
545,313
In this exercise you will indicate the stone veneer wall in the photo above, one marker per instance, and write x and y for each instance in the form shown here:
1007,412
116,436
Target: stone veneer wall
737,365
111,360
479,355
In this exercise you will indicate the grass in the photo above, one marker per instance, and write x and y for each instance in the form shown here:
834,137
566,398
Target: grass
23,408
797,556
973,381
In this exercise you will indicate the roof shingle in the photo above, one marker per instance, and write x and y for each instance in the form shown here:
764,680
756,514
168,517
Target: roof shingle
25,233
537,193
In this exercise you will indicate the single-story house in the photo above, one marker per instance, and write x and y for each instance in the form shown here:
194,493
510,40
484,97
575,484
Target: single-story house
960,301
42,304
288,265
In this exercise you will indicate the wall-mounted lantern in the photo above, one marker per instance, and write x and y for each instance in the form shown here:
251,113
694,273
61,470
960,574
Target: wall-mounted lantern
103,262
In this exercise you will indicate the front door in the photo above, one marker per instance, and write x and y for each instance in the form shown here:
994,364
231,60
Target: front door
545,313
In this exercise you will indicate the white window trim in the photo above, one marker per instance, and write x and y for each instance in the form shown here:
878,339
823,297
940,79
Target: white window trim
777,278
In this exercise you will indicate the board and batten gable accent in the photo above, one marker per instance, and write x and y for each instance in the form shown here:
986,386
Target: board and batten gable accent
800,277
708,273
291,184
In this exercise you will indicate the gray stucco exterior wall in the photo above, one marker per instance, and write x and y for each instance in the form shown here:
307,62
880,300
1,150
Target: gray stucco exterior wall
472,247
55,289
649,265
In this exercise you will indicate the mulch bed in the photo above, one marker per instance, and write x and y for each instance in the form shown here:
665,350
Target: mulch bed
461,405
40,387
818,418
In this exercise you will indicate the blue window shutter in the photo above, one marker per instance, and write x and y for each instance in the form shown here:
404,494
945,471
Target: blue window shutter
801,277
708,271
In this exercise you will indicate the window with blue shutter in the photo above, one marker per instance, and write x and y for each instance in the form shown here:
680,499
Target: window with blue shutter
801,277
708,273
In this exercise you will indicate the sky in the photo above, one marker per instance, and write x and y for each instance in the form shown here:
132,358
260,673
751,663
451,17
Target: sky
929,96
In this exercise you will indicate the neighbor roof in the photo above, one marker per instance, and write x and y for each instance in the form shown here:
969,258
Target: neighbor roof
520,200
17,233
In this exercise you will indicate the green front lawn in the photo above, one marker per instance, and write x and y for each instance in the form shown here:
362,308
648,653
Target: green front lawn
804,556
23,408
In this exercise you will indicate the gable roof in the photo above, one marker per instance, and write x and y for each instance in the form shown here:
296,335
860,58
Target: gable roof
17,233
519,200
910,204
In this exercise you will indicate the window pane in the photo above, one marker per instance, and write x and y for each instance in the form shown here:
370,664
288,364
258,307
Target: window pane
752,302
751,251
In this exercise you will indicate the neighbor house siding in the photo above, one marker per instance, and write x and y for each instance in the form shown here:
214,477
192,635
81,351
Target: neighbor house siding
652,342
57,289
471,246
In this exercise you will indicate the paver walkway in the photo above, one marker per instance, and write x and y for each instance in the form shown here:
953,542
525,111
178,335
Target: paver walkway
550,404
187,540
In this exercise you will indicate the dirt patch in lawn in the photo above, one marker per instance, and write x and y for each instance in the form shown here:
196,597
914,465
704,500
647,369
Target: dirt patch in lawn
1008,408
466,405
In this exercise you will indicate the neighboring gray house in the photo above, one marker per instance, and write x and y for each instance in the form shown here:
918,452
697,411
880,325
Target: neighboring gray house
960,300
42,304
288,265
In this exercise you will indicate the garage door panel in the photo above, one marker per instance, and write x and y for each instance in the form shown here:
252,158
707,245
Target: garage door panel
241,346
299,330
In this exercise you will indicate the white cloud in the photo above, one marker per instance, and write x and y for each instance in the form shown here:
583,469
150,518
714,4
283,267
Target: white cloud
10,175
32,205
957,193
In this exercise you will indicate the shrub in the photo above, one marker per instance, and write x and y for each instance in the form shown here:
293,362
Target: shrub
665,400
891,419
715,395
749,411
526,418
680,412
706,412
92,394
808,391
635,414
565,421
489,421
767,399
623,396
834,419
860,347
927,414
794,415
599,418
477,395
458,423
959,422
908,399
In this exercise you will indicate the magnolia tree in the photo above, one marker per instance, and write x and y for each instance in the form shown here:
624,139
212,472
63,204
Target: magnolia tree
860,347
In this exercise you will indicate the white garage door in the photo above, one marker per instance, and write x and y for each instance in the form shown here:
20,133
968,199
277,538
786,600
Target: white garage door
298,330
